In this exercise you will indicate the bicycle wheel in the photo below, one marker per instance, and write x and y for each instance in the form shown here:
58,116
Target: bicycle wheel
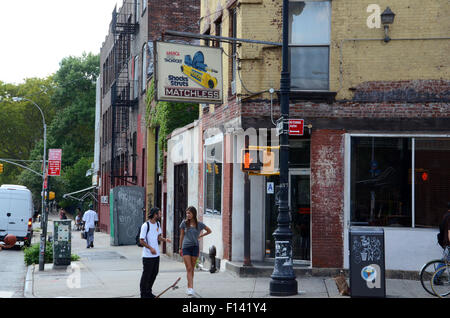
440,281
427,272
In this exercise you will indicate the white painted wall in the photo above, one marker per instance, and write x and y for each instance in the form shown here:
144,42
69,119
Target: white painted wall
181,148
237,237
257,217
215,238
405,248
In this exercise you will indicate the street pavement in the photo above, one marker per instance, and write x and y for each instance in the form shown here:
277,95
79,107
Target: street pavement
107,271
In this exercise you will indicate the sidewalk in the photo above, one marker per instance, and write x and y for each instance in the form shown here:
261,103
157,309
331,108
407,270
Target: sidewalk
107,271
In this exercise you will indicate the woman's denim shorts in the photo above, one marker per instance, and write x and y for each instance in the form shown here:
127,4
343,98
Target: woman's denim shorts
191,250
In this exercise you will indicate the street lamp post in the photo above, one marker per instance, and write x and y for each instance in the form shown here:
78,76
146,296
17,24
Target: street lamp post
44,214
283,281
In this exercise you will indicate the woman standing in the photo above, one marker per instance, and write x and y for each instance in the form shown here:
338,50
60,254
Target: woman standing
190,233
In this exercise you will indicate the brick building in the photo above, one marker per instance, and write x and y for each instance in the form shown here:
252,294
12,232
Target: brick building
128,151
378,140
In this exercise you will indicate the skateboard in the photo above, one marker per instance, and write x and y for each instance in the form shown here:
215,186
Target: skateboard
173,286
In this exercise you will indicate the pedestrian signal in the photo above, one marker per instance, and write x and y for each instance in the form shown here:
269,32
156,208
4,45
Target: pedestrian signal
51,195
250,161
260,160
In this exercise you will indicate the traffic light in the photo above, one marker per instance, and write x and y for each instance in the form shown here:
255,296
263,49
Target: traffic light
1,167
260,160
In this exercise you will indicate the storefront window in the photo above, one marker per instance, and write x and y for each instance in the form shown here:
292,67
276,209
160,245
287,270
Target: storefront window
431,180
213,179
383,192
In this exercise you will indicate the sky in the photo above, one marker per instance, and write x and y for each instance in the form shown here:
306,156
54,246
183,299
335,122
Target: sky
35,35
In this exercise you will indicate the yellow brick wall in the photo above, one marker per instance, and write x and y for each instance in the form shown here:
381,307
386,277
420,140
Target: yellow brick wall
393,61
351,62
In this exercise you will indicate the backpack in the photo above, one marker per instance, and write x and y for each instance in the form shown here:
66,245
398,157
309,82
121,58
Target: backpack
441,234
138,239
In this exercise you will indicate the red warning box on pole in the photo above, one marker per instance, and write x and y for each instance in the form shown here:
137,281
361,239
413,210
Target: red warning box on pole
296,127
54,162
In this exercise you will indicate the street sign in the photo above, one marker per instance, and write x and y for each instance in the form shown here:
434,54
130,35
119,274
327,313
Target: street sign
54,162
296,127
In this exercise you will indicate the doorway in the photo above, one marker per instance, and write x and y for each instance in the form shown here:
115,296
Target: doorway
300,209
300,204
180,202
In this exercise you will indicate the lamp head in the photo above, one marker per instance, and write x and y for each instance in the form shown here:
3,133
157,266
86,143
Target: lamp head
387,17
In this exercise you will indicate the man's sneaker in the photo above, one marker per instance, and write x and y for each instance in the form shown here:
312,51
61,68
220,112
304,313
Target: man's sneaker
190,291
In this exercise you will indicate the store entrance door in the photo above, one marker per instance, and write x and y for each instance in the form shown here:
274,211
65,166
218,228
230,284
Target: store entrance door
300,207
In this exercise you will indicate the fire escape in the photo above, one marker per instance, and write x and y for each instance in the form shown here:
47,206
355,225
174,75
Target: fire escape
124,27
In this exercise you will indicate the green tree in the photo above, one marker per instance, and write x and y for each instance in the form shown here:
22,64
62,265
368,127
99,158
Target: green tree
70,128
21,122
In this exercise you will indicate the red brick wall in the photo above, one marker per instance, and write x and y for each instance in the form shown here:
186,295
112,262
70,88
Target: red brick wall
227,198
327,198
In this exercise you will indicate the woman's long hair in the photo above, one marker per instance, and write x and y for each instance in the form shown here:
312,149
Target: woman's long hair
194,216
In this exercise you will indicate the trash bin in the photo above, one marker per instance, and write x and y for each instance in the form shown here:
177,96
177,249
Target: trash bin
62,243
367,262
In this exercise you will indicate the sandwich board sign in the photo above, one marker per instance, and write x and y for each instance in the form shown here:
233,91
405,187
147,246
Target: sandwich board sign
188,73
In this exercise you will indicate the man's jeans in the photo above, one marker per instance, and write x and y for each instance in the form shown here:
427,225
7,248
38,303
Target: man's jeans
90,237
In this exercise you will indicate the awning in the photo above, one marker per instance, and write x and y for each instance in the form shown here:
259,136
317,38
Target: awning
84,196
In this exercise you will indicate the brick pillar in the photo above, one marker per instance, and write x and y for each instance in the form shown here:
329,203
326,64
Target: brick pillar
227,190
327,198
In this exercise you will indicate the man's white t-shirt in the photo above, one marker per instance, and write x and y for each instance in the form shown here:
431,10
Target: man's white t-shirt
152,238
89,217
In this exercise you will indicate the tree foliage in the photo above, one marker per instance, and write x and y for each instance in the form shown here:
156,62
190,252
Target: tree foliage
67,99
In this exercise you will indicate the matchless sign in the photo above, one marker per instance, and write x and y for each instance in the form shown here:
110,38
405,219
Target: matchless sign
187,73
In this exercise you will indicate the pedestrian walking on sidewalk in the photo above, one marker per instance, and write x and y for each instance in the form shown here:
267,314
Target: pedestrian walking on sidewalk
90,219
190,233
149,236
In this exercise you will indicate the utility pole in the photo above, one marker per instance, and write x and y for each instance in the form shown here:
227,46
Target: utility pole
283,281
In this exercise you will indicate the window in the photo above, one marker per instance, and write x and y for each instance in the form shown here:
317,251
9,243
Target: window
144,68
218,25
233,57
399,181
213,178
309,44
136,77
137,11
207,41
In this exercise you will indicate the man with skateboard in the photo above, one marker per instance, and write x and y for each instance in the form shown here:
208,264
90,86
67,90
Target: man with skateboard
149,237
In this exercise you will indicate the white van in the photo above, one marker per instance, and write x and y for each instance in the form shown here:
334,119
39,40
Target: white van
16,213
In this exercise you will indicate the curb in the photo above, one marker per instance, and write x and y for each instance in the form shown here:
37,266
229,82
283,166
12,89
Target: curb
28,289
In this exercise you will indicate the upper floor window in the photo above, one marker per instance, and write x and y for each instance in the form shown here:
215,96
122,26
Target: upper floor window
144,67
218,26
309,44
